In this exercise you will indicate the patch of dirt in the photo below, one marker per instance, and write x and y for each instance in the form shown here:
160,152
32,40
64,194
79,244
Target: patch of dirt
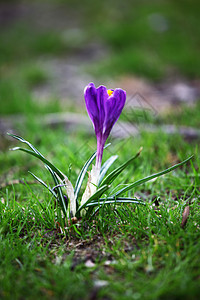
162,97
68,79
43,15
67,76
92,250
74,122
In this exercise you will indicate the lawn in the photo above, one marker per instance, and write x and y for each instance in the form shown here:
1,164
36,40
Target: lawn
143,253
149,251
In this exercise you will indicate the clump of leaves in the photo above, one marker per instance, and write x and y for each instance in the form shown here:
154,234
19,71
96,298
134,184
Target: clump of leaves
104,108
68,197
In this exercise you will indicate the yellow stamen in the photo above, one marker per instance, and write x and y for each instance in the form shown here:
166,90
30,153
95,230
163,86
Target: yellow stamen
110,92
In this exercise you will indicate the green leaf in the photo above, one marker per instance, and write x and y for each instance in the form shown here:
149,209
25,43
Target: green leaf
82,175
119,200
113,201
83,172
141,181
44,184
106,166
112,198
111,177
43,159
96,195
19,138
51,168
60,195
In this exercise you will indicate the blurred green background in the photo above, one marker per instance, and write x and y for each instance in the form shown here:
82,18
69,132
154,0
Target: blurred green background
157,40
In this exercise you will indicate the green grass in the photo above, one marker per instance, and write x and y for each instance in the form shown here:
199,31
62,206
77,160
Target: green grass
28,41
16,98
184,116
34,75
181,115
151,256
149,39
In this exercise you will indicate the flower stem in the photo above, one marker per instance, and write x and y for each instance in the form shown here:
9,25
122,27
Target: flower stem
100,147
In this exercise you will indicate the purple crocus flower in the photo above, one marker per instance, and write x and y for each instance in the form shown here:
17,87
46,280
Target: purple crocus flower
104,108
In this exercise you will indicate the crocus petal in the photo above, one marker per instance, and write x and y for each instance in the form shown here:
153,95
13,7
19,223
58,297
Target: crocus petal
113,109
102,95
120,95
90,94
